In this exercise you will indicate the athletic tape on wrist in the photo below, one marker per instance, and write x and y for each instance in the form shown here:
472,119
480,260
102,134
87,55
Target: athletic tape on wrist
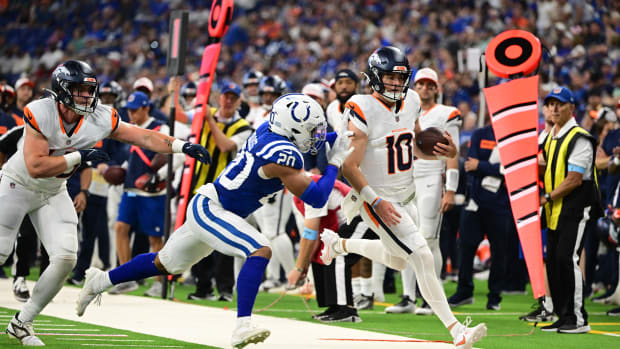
177,146
368,194
73,159
452,179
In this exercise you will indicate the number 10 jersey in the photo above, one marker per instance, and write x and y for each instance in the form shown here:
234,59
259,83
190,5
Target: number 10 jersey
388,160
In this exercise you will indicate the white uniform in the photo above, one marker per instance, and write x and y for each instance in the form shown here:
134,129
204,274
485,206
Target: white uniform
428,173
257,116
388,165
46,199
335,115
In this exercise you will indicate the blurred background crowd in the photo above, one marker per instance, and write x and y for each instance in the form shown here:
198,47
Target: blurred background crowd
306,40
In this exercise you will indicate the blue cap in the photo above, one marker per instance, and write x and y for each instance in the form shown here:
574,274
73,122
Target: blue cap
562,94
136,100
231,87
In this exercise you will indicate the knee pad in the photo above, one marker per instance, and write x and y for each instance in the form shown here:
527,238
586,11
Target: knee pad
65,262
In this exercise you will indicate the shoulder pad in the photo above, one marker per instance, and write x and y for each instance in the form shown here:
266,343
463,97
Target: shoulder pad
281,152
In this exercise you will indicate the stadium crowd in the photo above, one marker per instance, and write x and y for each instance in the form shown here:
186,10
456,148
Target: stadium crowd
301,47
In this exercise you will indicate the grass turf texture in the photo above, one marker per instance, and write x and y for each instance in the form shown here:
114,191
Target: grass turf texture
505,330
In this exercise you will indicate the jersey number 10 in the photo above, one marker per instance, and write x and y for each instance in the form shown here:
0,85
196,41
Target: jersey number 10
400,152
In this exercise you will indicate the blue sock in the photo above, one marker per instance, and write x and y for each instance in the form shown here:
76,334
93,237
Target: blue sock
140,267
249,279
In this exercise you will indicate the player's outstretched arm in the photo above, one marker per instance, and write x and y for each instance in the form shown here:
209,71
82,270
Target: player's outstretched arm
158,142
40,164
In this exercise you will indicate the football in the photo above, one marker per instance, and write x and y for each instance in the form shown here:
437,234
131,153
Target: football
427,139
114,175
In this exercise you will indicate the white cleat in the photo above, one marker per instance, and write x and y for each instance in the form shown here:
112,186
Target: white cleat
24,331
469,336
247,333
90,291
330,248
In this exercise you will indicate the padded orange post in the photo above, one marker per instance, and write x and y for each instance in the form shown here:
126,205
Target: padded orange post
513,107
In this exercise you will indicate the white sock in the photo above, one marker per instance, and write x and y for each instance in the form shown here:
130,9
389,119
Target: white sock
282,248
356,285
408,276
378,275
548,304
430,287
273,269
366,286
48,285
433,244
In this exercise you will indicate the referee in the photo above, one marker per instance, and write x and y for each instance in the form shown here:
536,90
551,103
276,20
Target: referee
571,198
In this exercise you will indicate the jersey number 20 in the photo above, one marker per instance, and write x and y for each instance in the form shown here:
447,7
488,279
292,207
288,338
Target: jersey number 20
400,152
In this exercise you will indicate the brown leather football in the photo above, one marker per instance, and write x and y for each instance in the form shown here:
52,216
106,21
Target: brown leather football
427,139
114,175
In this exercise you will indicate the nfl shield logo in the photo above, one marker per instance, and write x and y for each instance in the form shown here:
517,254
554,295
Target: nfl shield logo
12,185
68,141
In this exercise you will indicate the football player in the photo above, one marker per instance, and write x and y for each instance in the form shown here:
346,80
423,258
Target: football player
60,133
270,160
380,170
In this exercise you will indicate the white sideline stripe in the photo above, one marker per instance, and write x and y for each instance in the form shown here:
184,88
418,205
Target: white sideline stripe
70,329
131,345
58,325
106,339
201,324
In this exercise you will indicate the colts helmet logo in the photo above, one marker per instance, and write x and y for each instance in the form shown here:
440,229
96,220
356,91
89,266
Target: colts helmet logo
295,110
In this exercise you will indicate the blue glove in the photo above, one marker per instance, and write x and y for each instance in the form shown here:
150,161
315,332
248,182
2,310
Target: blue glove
331,138
94,155
197,151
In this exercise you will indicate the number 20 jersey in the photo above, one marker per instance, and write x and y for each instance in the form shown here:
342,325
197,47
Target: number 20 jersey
242,187
388,161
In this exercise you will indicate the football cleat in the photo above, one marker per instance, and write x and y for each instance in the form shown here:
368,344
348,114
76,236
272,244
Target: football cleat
468,336
246,333
90,291
24,331
330,246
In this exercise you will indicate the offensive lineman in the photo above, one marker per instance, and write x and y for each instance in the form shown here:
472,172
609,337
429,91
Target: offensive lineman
60,130
270,160
379,169
428,182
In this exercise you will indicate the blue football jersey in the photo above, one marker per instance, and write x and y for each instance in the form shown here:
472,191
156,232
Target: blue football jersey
240,187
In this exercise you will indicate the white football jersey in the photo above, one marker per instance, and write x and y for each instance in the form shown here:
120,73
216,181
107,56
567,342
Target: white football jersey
43,116
335,115
388,161
257,116
444,118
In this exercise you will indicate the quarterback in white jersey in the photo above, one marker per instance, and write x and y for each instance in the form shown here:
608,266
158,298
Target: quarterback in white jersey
56,139
380,170
428,176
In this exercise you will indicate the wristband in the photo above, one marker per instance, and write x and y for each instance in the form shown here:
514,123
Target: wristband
368,194
73,159
374,204
300,270
309,234
452,179
177,146
616,161
86,192
548,197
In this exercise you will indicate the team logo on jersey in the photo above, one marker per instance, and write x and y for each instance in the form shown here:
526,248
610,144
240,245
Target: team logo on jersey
296,113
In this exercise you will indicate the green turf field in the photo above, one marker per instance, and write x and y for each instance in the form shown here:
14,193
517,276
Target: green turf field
505,330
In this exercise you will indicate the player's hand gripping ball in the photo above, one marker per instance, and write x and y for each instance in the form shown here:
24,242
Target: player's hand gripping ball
427,139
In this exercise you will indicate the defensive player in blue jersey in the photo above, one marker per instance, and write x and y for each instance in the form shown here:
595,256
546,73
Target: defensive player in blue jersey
270,160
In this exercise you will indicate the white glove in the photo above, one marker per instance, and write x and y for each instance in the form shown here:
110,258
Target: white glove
340,150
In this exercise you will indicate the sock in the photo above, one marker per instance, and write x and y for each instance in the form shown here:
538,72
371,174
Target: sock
548,304
249,279
140,267
366,286
48,285
409,282
356,285
430,287
378,275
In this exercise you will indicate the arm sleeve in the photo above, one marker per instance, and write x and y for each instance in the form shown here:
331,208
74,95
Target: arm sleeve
317,194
